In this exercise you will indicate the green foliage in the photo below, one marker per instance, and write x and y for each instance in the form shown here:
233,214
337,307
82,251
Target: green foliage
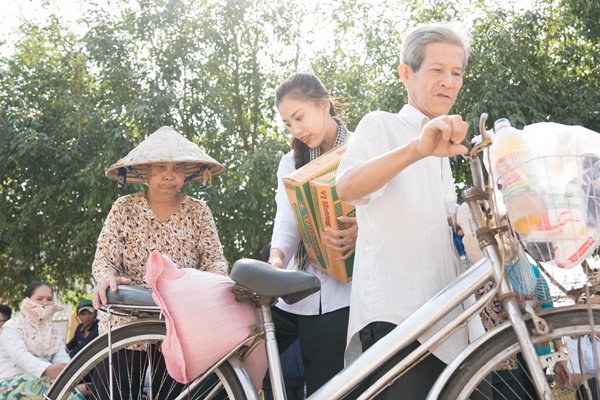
50,166
71,105
588,13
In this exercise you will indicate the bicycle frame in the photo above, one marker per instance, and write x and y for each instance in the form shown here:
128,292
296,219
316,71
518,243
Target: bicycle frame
454,295
409,330
491,267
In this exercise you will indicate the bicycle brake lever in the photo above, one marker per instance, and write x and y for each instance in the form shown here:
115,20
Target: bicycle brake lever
467,143
470,153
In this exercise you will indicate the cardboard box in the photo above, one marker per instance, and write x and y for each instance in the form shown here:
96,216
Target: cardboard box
330,207
306,211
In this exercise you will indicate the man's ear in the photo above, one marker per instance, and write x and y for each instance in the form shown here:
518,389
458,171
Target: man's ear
405,72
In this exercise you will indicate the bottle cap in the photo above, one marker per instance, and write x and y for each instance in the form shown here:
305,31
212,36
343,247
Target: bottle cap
501,124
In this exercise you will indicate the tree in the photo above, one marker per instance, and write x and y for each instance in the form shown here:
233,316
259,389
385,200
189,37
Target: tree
196,66
52,149
71,105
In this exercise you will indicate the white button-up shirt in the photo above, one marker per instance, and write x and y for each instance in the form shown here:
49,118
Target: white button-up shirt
404,252
587,352
334,294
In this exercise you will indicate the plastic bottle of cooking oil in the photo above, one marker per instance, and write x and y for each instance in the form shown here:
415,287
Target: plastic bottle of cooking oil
509,155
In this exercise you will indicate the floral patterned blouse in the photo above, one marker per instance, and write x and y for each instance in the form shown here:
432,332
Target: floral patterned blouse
132,231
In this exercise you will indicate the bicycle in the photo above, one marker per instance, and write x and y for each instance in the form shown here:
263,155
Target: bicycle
471,375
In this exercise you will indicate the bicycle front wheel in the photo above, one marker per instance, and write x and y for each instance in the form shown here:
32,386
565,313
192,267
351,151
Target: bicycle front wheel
137,374
497,370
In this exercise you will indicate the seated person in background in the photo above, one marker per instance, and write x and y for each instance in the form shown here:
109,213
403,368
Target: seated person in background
87,330
583,346
32,351
5,314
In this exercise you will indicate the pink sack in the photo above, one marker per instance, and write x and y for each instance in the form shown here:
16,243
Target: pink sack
204,321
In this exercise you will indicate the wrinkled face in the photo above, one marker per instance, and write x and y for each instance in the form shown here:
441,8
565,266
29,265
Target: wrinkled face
434,87
306,121
165,178
86,317
43,296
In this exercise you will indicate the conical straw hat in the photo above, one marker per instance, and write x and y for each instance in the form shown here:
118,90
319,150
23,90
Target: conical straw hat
165,145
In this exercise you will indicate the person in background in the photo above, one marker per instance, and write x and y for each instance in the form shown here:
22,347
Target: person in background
581,351
158,218
396,171
87,330
5,314
319,321
32,351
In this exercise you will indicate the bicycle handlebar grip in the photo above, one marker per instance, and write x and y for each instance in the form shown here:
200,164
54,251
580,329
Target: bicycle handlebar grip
130,295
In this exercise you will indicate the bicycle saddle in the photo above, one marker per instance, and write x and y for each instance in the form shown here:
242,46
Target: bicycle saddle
130,296
267,280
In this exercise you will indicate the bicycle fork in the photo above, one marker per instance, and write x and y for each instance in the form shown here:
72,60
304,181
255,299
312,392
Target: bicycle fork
511,306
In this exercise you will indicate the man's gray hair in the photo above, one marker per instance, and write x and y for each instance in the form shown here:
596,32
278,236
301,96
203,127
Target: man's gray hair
413,47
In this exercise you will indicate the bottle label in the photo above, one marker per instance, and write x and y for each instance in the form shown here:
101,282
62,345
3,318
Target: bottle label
512,175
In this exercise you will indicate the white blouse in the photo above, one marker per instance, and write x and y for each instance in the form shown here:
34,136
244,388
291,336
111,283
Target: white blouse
15,358
334,294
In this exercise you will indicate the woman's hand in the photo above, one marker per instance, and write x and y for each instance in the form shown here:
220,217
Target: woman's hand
109,283
343,241
53,370
562,375
276,258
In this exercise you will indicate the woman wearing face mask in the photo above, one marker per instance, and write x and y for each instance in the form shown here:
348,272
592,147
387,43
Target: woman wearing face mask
320,321
32,351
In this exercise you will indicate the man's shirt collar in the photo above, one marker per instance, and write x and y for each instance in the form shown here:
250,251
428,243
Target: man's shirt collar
414,117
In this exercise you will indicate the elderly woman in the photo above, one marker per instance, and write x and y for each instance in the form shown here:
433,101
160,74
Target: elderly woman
32,351
159,218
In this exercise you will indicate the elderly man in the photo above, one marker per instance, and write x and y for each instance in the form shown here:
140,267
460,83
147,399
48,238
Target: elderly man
397,172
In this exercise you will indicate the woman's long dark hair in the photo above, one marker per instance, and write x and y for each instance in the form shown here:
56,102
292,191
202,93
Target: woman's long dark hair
305,87
33,286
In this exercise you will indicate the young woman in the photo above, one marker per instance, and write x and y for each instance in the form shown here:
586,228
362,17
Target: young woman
320,321
32,351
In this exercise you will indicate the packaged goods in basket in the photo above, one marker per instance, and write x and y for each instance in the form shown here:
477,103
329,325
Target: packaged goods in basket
549,175
509,154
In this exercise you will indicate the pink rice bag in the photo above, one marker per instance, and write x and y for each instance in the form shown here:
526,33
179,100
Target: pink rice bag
204,321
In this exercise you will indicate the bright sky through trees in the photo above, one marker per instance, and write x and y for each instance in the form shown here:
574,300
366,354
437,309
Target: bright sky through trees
73,104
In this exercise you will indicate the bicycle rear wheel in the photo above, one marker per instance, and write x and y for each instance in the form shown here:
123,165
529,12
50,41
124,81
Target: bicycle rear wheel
496,369
137,374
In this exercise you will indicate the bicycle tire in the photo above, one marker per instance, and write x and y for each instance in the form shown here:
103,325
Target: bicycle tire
147,333
483,362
